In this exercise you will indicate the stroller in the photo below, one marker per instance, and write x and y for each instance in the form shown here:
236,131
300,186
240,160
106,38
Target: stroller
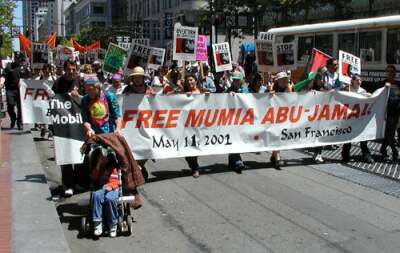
98,156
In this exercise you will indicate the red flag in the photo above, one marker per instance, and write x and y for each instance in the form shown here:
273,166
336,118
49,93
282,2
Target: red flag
51,40
78,47
318,60
95,45
25,45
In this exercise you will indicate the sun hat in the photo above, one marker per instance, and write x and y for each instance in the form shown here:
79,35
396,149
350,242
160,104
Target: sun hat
281,75
137,71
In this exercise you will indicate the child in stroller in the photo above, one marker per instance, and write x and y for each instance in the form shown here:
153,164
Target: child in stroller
108,194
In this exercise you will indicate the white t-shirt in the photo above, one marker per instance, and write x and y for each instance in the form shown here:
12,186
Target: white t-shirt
331,81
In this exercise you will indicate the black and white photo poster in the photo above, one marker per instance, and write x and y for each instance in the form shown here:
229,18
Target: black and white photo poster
185,42
222,57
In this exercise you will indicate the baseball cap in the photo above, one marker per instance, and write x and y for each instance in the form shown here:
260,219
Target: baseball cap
281,75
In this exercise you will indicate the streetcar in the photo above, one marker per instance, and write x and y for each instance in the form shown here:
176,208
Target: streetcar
375,40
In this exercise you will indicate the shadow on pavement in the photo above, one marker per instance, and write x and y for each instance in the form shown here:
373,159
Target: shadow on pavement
34,178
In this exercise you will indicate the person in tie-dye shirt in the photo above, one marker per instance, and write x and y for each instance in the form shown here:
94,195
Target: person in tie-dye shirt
100,111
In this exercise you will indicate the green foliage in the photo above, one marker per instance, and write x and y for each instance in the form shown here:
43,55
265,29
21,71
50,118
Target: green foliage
90,35
6,22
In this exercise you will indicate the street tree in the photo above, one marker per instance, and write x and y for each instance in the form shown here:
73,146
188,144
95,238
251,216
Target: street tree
6,23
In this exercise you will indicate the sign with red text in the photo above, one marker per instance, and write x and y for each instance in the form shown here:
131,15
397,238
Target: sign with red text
201,53
222,57
348,65
34,101
185,42
198,125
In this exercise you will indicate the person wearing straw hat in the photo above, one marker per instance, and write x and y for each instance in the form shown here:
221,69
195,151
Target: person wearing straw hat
135,82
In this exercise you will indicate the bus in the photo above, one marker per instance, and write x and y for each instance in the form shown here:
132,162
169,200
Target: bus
375,40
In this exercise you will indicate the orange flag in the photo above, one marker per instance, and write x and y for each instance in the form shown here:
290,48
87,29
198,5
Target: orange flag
95,45
25,45
78,47
51,40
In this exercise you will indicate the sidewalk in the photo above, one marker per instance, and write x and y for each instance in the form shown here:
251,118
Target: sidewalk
28,219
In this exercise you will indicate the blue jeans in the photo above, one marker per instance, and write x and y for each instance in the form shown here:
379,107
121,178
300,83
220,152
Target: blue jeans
110,201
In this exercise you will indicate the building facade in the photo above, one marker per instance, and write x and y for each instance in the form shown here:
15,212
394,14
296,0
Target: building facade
32,10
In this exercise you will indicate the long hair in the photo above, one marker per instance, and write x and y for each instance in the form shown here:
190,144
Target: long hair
186,83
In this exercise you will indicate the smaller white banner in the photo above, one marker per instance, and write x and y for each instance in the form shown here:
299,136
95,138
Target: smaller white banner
35,101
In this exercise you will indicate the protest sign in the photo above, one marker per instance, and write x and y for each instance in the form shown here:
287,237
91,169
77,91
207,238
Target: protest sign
285,55
266,36
69,134
145,42
185,42
348,65
41,55
114,59
138,56
34,101
63,54
156,58
181,126
168,53
201,53
265,56
91,56
222,57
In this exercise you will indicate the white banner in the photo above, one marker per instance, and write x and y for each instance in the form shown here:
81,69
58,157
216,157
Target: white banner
178,126
348,65
156,58
185,42
222,57
285,55
34,101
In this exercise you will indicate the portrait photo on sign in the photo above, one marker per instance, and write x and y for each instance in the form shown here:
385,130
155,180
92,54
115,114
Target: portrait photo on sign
186,46
223,58
156,59
265,58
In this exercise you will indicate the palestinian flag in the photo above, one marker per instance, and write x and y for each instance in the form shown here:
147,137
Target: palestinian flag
51,40
25,45
316,61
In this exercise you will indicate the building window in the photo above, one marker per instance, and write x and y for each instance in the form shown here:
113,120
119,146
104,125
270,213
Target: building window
305,47
98,10
370,44
393,46
324,43
348,43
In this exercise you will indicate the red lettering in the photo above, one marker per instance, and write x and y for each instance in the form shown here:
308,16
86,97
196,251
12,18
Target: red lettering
296,118
365,111
41,93
340,112
237,116
248,117
282,114
207,121
194,119
324,115
158,116
143,118
173,116
269,116
314,116
355,112
128,116
28,91
225,118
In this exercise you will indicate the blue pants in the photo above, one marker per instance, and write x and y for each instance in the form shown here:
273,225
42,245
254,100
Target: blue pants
110,201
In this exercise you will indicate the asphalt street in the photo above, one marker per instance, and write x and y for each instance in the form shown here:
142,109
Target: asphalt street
302,208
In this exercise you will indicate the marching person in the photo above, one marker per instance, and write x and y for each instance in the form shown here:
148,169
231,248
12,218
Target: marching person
12,79
117,86
68,83
355,86
281,84
392,113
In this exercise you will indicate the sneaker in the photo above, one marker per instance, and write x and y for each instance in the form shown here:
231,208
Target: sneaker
113,231
68,192
318,159
196,174
98,228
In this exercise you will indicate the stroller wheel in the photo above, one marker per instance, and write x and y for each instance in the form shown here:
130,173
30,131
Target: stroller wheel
130,226
84,227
